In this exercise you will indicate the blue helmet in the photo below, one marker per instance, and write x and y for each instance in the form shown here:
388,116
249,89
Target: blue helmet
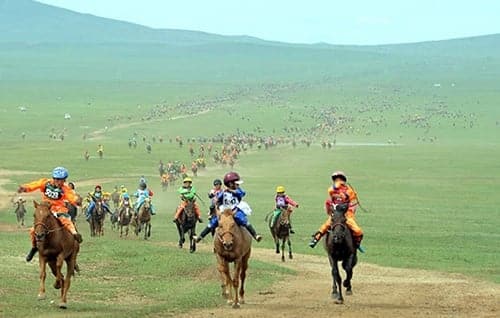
59,173
126,196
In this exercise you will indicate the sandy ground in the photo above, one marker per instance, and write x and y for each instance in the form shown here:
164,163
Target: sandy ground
377,292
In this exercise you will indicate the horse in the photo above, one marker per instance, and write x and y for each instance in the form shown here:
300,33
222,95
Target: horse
97,219
55,246
187,224
280,230
114,220
232,244
339,245
144,219
115,197
20,211
125,216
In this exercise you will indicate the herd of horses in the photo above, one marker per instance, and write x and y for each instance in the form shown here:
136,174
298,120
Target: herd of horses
232,244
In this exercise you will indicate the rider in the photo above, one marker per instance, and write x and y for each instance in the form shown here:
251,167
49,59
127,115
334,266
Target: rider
282,204
212,195
188,193
98,194
230,198
55,192
142,194
125,203
123,191
341,193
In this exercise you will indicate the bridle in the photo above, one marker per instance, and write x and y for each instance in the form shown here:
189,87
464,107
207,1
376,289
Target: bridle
220,235
40,237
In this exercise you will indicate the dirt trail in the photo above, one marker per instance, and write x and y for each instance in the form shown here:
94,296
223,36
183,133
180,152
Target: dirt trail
378,292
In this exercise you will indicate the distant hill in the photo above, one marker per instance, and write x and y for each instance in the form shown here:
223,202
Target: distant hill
26,21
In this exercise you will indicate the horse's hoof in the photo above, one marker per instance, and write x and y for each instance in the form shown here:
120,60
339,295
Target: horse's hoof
339,301
348,292
63,305
229,302
277,252
41,296
290,256
191,251
236,305
57,284
335,295
282,258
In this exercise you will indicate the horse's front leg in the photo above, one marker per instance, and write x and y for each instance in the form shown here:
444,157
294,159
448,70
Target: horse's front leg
43,275
348,266
223,268
290,256
283,242
243,275
70,269
337,281
236,282
59,283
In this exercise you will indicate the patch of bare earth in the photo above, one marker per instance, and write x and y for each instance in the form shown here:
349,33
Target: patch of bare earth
377,292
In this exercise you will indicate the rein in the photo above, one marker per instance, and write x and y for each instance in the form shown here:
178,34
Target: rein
219,235
46,228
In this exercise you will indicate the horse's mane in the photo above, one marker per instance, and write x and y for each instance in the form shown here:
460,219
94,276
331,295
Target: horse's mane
227,212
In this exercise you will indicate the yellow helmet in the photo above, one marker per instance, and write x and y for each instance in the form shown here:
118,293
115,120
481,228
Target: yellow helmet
187,179
280,189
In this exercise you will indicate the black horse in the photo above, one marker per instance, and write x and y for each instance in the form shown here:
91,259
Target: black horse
339,245
187,224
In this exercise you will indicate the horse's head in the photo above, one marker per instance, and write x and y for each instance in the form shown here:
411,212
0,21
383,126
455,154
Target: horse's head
147,204
225,231
41,215
284,219
339,227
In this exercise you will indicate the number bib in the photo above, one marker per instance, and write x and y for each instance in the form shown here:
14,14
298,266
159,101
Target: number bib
52,192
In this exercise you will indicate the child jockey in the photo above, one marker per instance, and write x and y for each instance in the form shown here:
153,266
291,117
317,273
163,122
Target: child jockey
229,199
98,194
55,192
141,194
283,203
187,193
341,193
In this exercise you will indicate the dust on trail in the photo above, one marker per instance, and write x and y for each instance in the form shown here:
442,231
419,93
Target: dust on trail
98,134
377,292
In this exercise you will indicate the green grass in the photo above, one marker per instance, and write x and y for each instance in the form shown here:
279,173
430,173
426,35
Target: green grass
432,205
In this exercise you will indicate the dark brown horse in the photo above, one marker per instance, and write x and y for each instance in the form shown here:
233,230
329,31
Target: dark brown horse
187,224
280,230
55,246
340,247
144,219
124,216
115,197
20,211
97,219
232,244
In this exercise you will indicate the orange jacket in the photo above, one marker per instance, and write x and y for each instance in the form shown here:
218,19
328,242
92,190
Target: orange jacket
56,197
341,194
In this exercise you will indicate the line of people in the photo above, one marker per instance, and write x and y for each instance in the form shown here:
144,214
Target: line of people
57,193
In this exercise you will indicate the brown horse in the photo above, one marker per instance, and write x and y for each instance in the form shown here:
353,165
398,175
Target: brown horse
115,197
125,216
20,211
232,244
144,219
187,224
340,247
55,246
97,219
280,230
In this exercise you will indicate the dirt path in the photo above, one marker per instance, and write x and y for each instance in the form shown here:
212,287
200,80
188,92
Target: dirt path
378,292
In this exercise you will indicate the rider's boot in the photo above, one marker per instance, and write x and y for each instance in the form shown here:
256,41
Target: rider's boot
203,233
315,239
357,243
32,253
252,231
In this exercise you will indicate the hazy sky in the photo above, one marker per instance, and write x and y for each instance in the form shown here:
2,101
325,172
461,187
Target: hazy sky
300,21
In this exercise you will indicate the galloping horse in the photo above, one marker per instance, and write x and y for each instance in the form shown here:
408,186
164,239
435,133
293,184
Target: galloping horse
232,244
97,219
125,216
187,223
20,211
55,246
280,230
144,219
115,197
340,247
